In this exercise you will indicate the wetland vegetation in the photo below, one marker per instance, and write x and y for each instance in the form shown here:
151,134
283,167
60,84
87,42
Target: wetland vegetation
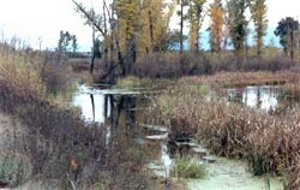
144,112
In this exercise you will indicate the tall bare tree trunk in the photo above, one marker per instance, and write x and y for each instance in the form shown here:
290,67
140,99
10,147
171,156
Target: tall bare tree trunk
105,50
292,44
93,51
151,31
181,27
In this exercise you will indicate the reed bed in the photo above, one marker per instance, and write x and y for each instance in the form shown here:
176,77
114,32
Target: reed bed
240,79
270,143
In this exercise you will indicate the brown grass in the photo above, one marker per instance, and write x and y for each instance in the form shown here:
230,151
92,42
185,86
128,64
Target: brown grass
240,79
168,65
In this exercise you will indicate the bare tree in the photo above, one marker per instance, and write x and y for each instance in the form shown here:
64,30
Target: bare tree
109,37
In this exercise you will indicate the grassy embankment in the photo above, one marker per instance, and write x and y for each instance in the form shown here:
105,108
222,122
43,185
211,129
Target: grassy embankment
48,145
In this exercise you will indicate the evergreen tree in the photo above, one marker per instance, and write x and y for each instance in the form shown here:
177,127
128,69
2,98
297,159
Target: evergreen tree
286,30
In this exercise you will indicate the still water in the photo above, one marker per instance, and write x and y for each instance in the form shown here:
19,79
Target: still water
259,97
97,105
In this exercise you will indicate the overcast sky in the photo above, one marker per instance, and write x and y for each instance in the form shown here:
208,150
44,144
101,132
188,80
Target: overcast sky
34,19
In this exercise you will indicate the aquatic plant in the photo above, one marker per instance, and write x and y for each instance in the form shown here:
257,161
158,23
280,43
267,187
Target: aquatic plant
132,82
187,168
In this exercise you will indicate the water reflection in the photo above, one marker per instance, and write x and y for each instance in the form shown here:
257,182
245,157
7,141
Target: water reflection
260,97
102,105
93,107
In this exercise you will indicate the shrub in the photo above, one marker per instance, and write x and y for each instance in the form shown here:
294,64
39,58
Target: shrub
15,169
21,75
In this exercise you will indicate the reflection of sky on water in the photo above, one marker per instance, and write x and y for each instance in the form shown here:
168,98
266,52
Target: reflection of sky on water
84,102
263,97
84,96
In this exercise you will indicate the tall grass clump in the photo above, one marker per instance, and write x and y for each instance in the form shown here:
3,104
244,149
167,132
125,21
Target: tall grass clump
168,106
188,168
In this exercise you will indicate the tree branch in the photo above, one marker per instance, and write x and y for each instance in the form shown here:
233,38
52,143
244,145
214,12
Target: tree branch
89,17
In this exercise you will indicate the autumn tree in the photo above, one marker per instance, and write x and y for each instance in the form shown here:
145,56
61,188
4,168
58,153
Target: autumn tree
216,14
258,10
128,26
154,21
286,30
143,27
238,23
196,17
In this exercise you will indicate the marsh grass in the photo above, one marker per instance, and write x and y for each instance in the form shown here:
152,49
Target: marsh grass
132,82
268,142
188,168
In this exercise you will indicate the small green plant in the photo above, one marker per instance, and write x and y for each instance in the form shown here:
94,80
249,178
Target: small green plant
257,163
134,82
267,183
129,83
188,168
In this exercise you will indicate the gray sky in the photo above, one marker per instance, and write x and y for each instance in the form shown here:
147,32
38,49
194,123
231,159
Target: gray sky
34,19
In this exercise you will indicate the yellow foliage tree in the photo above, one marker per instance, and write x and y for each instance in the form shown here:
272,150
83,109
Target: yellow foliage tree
145,23
127,26
258,10
155,20
216,14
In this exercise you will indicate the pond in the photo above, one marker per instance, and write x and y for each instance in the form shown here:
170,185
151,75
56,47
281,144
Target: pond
123,108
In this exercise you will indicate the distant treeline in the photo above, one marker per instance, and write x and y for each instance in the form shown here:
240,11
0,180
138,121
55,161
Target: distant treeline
128,30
